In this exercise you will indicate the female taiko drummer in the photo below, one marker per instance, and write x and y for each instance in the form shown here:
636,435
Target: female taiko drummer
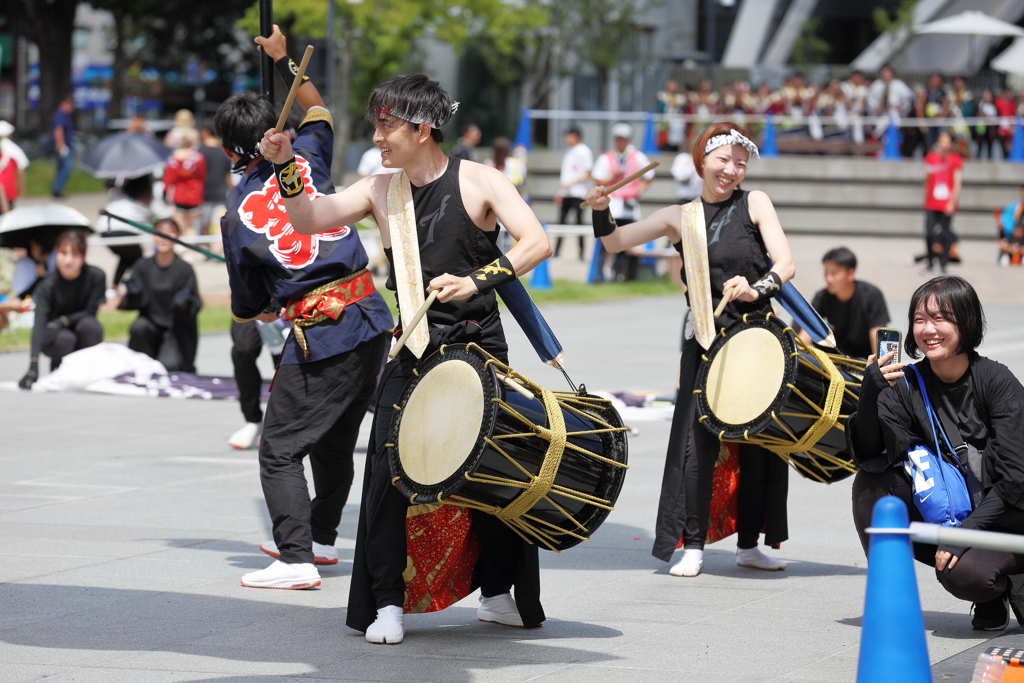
733,248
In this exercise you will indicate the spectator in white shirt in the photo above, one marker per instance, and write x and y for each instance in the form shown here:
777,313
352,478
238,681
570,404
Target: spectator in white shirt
574,182
685,173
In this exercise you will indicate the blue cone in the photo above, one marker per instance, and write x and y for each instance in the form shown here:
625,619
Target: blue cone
594,270
769,148
525,130
650,135
892,643
1017,144
891,150
541,278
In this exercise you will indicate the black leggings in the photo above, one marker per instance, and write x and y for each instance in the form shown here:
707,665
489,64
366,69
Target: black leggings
979,575
246,347
175,348
699,471
85,333
937,231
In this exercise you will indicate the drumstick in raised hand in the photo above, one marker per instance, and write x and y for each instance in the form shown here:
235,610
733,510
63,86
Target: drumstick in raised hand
412,324
628,179
726,298
294,89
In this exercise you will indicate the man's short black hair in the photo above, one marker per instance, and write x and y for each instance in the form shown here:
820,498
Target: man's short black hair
841,256
574,131
955,300
242,120
408,97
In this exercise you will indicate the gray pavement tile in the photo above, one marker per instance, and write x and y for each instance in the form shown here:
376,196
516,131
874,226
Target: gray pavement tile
139,525
621,674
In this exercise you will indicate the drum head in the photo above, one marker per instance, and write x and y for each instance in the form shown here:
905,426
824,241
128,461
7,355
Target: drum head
745,376
441,422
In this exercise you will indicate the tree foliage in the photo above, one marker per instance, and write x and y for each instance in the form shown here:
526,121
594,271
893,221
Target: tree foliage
550,39
902,20
809,47
49,24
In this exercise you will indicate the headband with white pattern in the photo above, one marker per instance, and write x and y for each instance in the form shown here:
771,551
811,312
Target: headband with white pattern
733,138
416,118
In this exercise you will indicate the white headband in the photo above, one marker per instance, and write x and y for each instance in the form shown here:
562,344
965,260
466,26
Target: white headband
418,117
733,138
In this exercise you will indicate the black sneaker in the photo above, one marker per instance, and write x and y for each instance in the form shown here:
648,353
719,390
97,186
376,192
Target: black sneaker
993,615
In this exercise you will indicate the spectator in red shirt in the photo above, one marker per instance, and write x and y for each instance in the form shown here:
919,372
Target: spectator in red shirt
1006,105
942,194
184,181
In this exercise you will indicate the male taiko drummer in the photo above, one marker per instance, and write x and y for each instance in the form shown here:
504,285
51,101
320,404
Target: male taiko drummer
328,370
438,221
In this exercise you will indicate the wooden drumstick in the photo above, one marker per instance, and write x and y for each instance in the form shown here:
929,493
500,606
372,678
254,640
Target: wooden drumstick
628,179
412,324
726,298
516,386
294,89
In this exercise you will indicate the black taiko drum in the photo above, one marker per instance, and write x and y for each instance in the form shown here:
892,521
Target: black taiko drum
549,464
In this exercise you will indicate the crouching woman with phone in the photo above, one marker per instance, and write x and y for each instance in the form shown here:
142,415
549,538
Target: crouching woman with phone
980,407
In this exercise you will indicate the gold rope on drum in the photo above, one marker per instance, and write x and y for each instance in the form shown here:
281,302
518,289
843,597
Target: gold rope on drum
542,485
825,419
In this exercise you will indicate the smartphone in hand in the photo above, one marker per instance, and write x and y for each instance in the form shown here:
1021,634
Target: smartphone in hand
889,339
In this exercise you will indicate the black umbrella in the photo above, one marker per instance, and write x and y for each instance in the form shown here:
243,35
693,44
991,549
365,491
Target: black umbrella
125,155
41,223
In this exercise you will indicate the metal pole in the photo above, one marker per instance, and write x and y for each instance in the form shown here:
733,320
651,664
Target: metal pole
711,24
331,52
266,9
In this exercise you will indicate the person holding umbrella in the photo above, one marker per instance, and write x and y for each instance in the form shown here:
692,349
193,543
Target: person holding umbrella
66,304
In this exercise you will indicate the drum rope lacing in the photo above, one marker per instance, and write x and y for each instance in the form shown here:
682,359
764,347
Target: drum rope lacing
542,485
824,420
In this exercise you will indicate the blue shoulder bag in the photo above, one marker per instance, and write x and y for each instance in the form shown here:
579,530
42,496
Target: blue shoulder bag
940,491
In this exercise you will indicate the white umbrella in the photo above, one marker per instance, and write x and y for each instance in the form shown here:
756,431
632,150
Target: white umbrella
972,23
1012,58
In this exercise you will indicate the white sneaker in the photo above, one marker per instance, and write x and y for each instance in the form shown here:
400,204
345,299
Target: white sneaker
246,437
322,554
111,293
285,576
690,564
499,609
388,629
1004,260
755,559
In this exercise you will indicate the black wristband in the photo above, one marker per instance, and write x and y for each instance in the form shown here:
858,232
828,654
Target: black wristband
768,286
289,180
33,366
288,69
604,224
494,274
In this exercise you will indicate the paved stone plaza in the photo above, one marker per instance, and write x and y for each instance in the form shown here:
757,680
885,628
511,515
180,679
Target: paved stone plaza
126,524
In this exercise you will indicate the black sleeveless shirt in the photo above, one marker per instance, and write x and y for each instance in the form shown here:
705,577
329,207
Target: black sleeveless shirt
735,247
450,242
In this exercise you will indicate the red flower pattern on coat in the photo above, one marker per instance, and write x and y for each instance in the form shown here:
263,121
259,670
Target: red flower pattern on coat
263,212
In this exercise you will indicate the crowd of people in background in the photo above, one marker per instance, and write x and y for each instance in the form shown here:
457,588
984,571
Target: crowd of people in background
857,109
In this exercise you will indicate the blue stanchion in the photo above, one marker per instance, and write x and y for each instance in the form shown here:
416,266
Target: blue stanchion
892,642
595,259
891,149
1017,144
769,147
650,145
524,132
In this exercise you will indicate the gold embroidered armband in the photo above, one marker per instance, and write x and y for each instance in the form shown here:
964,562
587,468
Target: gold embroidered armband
289,180
494,274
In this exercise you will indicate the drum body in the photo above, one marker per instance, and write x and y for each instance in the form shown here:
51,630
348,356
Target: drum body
551,467
760,384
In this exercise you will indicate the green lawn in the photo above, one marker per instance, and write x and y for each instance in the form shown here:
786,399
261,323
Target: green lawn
39,178
217,318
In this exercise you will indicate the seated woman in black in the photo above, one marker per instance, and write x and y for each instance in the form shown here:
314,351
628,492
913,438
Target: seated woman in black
164,291
66,302
980,399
